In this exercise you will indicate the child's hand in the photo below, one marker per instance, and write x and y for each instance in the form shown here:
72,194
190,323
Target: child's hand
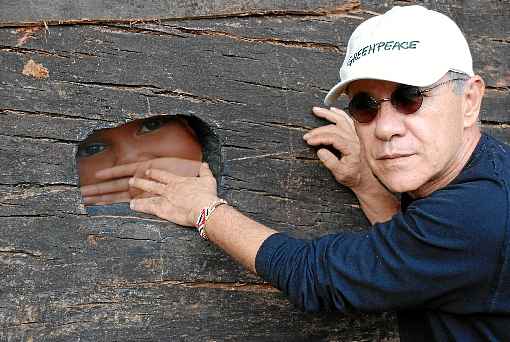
114,191
115,187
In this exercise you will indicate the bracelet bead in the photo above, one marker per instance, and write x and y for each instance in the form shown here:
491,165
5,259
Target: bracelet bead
205,213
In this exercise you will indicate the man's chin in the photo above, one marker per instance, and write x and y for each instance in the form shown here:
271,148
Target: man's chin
399,183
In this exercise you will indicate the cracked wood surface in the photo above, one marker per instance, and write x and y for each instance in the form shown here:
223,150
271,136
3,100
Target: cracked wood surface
26,12
251,71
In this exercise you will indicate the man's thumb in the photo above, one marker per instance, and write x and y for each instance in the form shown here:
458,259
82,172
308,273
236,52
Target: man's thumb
327,158
205,171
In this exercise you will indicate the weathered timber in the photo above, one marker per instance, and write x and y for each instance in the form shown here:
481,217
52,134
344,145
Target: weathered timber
27,12
29,160
251,71
140,311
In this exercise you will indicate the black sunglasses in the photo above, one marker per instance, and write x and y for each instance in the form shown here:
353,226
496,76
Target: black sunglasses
407,99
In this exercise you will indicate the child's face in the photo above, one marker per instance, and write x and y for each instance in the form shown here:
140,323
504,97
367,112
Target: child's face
136,141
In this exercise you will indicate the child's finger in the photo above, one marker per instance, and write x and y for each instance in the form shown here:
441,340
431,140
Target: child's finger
118,171
177,166
162,176
117,185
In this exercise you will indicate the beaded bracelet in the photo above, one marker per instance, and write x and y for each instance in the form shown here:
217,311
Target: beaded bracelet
205,213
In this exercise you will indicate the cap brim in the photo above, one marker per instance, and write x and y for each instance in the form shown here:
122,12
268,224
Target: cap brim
338,89
334,93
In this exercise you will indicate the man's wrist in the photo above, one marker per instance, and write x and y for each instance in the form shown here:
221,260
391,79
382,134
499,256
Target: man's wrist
201,203
367,184
204,216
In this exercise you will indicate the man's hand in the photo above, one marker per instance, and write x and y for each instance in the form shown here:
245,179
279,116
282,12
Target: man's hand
350,169
175,198
114,187
180,199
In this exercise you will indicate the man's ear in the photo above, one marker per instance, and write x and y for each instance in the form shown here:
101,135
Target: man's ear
474,90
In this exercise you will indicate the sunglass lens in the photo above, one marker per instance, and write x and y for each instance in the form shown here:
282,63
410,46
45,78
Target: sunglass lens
363,107
407,99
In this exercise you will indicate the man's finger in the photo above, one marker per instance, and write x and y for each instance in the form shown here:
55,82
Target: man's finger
118,171
145,205
117,185
328,158
321,130
332,116
340,131
205,171
147,185
343,145
108,198
343,114
162,176
322,139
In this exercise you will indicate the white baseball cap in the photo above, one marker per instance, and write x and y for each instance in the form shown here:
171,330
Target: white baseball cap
409,45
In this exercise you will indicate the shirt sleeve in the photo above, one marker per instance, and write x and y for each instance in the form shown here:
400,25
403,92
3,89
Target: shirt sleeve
443,252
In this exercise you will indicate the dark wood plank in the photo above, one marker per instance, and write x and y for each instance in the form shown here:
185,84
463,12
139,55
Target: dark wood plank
470,15
172,311
56,11
292,72
45,125
495,106
40,161
94,244
87,269
37,200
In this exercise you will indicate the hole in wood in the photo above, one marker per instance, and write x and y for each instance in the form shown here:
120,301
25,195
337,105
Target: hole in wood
177,144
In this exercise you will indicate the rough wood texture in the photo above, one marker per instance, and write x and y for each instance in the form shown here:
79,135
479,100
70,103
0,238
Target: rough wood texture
251,71
25,12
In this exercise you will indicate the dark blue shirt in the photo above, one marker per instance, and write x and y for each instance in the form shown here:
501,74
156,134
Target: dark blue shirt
442,262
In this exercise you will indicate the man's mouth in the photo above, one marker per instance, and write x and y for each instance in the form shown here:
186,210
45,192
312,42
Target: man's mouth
394,156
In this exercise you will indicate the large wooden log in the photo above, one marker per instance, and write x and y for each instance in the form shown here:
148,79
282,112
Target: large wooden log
251,71
28,12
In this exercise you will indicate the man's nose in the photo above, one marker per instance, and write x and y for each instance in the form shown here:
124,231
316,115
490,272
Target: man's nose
389,122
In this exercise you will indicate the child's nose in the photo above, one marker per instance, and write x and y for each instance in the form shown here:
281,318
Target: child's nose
128,153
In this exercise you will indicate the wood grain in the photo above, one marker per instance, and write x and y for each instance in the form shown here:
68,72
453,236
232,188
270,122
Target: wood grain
250,71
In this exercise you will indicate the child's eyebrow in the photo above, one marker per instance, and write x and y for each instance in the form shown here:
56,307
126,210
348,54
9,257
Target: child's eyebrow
95,137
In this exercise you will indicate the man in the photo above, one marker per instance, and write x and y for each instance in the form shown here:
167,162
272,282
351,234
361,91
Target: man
440,257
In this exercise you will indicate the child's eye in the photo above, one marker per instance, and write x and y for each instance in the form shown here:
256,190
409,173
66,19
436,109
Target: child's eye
150,125
91,149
